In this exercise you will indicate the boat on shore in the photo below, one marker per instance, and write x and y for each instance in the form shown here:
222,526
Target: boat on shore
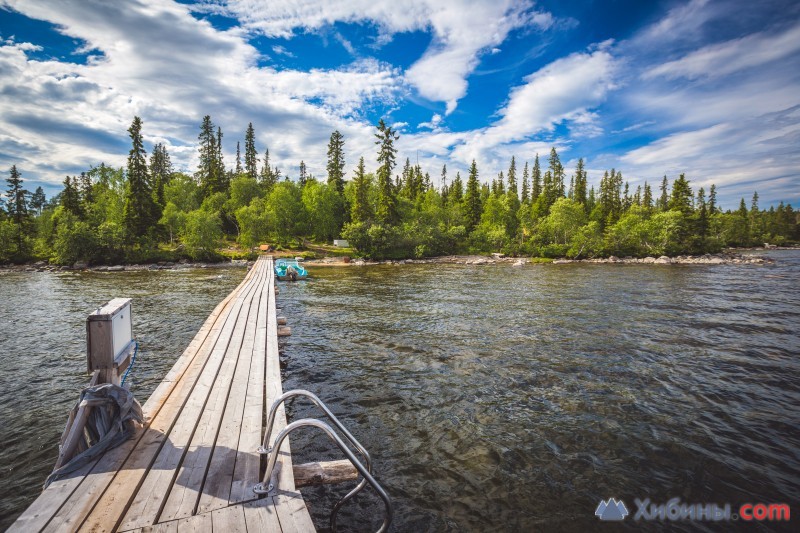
289,270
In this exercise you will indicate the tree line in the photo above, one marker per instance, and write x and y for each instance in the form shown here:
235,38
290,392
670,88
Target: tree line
148,211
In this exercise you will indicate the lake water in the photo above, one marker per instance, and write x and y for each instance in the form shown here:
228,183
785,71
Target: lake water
492,398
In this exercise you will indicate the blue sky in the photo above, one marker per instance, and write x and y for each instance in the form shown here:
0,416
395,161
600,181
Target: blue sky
711,89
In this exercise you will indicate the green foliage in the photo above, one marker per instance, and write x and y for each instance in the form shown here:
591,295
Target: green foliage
325,207
201,234
285,212
140,212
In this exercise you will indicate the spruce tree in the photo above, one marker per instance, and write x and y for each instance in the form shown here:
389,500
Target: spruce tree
525,184
207,167
38,201
303,176
663,202
160,172
681,198
360,210
221,178
250,154
386,208
335,165
647,198
457,190
536,187
238,159
443,179
512,177
579,194
712,200
140,211
557,171
17,205
70,198
268,177
472,199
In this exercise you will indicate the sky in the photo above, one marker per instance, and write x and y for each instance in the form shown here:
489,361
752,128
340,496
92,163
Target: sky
706,88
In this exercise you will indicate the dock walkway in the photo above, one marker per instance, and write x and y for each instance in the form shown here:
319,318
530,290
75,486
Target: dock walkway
193,465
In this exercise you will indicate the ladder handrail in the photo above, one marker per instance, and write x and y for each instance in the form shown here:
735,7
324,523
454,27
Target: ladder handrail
266,448
265,486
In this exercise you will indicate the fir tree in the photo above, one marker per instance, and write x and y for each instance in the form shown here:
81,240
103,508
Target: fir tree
336,161
140,212
386,206
360,211
250,154
472,199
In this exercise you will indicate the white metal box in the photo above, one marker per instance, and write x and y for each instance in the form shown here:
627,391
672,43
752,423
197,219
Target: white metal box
109,335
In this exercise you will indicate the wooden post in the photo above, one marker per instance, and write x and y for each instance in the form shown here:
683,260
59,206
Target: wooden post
109,340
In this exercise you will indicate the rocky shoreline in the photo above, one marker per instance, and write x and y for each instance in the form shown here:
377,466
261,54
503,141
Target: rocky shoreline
726,258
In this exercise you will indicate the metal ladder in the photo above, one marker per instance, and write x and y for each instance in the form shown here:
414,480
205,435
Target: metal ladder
267,485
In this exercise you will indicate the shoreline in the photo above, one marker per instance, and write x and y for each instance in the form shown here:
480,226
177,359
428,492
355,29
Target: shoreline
728,257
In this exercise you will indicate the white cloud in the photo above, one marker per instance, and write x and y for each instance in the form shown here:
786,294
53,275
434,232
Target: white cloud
462,30
77,115
721,59
563,91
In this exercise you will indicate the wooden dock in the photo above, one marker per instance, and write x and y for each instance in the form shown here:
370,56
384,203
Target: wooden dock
193,465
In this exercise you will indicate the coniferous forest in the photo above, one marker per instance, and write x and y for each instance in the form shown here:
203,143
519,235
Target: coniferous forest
386,208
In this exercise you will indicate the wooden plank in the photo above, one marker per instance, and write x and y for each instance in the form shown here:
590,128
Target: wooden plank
119,470
166,527
229,520
261,515
217,485
50,502
289,505
196,524
292,513
248,461
151,496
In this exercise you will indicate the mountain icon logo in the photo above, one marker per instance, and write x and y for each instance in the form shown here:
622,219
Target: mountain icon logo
611,510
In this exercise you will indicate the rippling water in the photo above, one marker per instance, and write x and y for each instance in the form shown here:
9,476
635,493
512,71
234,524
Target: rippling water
43,354
492,398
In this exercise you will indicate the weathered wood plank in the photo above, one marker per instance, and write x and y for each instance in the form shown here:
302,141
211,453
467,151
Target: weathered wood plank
292,513
217,485
229,520
260,515
121,470
182,496
248,460
166,527
196,524
149,500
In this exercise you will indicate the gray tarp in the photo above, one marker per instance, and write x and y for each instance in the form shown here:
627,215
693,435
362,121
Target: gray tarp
110,422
